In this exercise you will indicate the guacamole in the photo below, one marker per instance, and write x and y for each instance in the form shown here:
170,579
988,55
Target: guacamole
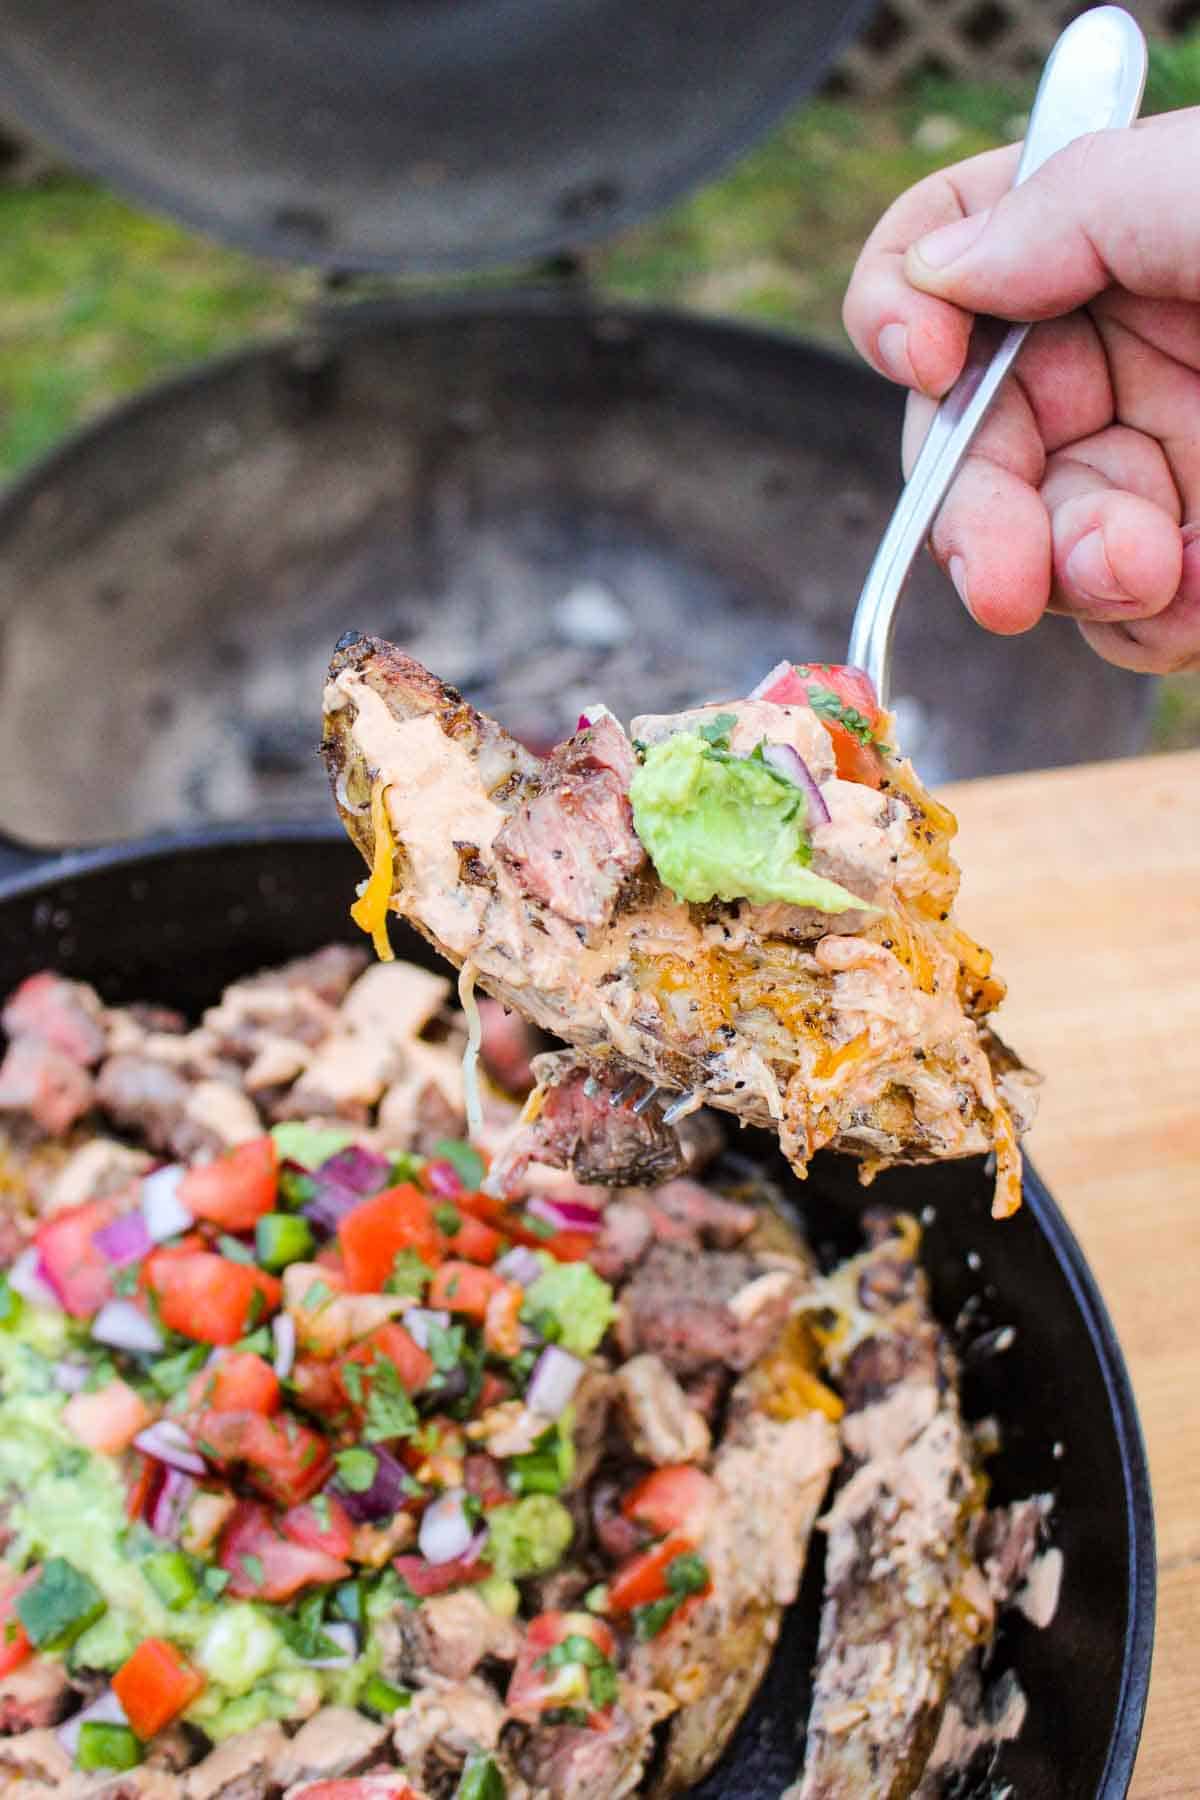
724,827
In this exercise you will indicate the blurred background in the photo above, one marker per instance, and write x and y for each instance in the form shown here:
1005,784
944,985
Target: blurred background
100,299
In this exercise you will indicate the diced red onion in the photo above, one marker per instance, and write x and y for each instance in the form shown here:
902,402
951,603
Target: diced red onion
556,1375
283,1330
342,1180
521,1265
120,1325
107,1710
164,1212
173,1499
417,1321
27,1278
386,1494
593,715
445,1532
70,1377
443,1179
790,763
343,1634
564,1215
169,1443
769,679
125,1241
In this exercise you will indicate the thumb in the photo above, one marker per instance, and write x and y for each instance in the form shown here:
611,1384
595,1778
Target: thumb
1116,208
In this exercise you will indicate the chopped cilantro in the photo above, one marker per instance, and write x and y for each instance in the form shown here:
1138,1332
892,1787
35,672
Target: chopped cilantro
234,1249
215,1581
549,1466
411,1274
406,1165
257,1306
649,1620
445,1344
253,1566
540,1227
309,1145
826,705
688,1574
318,1293
295,1190
356,1469
381,1698
602,1685
390,1411
126,1281
716,732
448,1219
303,1632
60,1605
352,1381
321,1510
466,1162
573,1649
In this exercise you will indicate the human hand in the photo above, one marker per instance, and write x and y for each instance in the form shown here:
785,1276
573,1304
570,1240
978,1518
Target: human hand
1082,491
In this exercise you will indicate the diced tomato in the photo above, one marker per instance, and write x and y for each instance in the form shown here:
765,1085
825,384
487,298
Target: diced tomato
533,1687
413,1365
372,1236
855,760
73,1263
107,1420
262,1564
426,1578
144,1488
488,1208
493,1389
644,1578
677,1498
235,1191
473,1240
318,1388
155,1686
462,1287
14,1641
283,1459
210,1298
243,1382
326,1527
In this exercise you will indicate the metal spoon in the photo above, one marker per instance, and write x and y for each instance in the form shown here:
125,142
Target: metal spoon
1092,81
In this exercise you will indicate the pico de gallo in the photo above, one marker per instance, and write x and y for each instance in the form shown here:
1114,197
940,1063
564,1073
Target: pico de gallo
252,1407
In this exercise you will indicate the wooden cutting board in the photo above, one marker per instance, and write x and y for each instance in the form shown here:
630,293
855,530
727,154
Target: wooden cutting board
1086,884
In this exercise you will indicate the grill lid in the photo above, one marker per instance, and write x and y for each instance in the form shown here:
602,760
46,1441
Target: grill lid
409,135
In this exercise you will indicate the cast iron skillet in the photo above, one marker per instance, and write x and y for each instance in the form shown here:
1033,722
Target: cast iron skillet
410,134
175,919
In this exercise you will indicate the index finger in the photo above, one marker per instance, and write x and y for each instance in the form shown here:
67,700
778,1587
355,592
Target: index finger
907,335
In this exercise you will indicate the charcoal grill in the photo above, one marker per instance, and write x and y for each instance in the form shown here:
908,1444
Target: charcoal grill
550,498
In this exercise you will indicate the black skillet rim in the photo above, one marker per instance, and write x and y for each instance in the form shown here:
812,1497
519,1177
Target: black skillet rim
1141,1576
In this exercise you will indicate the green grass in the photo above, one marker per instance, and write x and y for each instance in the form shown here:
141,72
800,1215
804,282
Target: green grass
98,299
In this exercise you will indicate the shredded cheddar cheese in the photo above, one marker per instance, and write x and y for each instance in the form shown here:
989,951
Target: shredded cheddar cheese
370,910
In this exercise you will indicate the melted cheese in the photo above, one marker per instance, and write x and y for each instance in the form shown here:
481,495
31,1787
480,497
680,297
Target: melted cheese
370,910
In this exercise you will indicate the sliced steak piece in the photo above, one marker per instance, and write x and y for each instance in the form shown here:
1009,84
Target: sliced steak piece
905,1600
35,1694
697,1216
660,1422
436,1733
34,1755
336,1741
592,1121
694,1310
242,1768
625,1235
39,1079
448,1636
569,1762
572,845
67,1014
509,1045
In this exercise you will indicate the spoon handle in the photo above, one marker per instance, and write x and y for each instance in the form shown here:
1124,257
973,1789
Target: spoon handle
1092,81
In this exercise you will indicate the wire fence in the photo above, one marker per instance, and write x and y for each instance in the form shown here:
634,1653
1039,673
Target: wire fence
981,39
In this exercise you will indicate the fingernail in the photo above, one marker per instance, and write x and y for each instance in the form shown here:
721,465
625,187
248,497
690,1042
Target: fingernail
958,575
948,242
1088,570
892,349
